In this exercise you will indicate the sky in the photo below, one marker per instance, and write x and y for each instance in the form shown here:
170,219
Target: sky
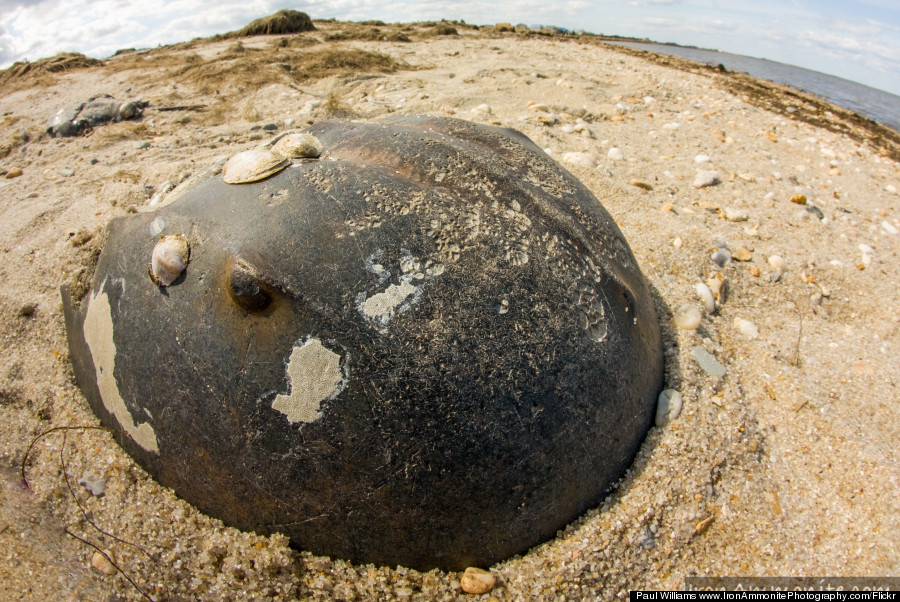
857,40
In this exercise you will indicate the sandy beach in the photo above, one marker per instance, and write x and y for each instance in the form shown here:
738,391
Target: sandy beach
786,465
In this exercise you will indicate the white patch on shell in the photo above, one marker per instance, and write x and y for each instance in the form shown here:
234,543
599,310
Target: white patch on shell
381,307
253,165
315,375
98,334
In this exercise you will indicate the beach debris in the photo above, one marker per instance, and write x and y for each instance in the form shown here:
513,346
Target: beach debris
668,407
306,288
253,165
93,483
687,317
101,562
477,581
707,362
616,154
13,172
706,178
169,259
77,118
747,328
706,296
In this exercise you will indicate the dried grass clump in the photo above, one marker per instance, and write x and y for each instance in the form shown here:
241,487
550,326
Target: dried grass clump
284,21
61,63
325,63
354,31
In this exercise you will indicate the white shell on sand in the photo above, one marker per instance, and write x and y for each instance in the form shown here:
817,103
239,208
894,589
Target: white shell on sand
687,317
253,165
169,259
705,294
298,146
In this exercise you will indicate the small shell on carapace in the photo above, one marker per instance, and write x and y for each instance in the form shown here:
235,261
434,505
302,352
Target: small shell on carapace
253,165
169,259
299,146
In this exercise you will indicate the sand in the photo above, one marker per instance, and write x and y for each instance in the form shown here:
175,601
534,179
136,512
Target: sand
786,465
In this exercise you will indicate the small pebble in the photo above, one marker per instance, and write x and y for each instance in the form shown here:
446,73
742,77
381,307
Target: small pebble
27,310
687,317
706,296
736,215
270,127
483,109
614,153
800,199
142,145
742,254
101,564
747,328
707,362
668,407
889,228
93,483
14,172
706,178
67,173
702,159
95,161
677,243
776,261
477,581
754,271
721,256
813,210
582,159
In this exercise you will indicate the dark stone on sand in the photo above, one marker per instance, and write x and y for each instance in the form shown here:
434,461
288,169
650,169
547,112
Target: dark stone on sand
431,346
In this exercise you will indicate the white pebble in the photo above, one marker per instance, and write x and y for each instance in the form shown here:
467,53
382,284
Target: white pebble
708,362
649,100
616,154
582,159
706,296
891,188
736,215
889,228
477,581
483,109
702,159
706,178
776,261
747,328
677,243
668,407
687,317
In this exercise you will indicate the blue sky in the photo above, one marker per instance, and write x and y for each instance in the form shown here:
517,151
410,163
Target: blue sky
857,40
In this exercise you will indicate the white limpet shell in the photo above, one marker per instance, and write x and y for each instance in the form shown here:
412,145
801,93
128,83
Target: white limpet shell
253,165
298,146
169,259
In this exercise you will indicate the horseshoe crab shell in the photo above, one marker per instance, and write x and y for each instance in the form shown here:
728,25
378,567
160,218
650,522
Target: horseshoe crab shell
299,146
253,165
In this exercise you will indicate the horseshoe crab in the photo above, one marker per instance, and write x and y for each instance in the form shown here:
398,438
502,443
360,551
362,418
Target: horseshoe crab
430,347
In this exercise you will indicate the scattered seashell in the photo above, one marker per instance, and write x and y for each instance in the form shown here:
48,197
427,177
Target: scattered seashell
169,259
253,165
616,154
668,407
677,243
14,172
583,159
709,301
889,228
93,483
706,178
735,215
477,581
687,317
298,146
747,328
776,261
742,254
716,284
702,159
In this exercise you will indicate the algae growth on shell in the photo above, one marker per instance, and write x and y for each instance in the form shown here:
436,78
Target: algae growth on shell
430,346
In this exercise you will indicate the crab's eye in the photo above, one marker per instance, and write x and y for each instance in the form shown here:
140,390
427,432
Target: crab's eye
246,289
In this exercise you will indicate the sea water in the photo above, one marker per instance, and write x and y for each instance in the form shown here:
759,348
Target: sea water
875,104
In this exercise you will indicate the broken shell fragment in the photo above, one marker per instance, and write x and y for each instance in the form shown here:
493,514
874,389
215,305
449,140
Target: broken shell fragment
253,165
169,259
299,146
